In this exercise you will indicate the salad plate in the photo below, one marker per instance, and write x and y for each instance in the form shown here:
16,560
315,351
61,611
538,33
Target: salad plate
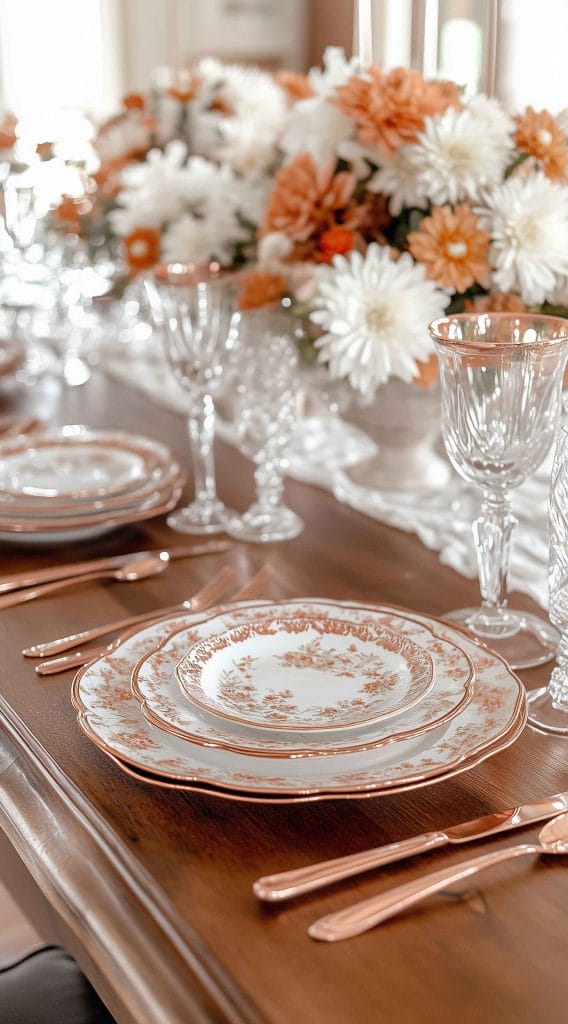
305,673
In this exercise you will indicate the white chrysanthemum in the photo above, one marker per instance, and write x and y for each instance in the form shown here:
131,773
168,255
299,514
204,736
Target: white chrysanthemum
493,120
454,160
400,179
336,71
316,127
152,192
249,148
248,92
374,313
527,219
202,239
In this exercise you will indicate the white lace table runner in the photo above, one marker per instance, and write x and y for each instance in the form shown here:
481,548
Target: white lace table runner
442,520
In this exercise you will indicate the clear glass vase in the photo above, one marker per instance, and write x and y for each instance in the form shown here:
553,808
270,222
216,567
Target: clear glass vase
501,377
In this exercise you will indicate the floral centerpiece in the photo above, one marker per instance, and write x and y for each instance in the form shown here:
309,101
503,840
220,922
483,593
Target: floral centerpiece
369,202
406,200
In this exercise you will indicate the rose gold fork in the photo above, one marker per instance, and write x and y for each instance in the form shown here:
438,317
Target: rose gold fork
204,598
210,595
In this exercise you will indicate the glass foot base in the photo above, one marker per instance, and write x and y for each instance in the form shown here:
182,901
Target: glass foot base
262,527
200,519
544,715
525,641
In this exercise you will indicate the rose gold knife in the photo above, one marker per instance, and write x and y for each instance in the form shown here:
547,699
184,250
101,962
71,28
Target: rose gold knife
288,884
63,572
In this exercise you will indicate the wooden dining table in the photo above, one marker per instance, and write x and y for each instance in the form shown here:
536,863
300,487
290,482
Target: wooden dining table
151,889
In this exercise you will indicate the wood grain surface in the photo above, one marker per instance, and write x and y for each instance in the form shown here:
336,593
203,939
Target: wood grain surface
151,890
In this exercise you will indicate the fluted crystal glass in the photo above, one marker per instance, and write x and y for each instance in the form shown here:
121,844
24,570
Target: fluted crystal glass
548,706
501,379
266,380
194,306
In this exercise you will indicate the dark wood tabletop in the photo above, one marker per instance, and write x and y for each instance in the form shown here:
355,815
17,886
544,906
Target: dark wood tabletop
151,889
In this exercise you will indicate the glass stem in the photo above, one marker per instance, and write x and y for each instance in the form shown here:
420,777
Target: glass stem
269,483
202,437
558,685
492,533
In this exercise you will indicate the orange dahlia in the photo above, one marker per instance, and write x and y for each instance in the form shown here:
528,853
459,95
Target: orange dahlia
389,107
260,288
306,199
452,247
142,247
540,136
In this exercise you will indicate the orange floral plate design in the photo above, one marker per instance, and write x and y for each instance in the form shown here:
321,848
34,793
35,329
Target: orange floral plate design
163,704
110,715
304,672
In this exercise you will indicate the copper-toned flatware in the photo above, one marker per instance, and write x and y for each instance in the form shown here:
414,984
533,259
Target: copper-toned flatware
205,598
288,884
359,918
63,572
209,594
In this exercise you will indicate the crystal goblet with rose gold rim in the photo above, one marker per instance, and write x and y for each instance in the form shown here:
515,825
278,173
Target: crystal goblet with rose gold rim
501,379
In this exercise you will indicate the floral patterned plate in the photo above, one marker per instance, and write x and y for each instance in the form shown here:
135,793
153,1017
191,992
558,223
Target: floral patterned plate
155,685
110,715
305,673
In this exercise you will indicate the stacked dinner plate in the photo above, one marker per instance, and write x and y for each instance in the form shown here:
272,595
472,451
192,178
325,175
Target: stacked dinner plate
307,699
75,483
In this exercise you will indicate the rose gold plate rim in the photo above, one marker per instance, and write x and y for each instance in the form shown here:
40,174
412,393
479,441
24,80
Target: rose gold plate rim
518,715
204,789
168,501
389,637
160,723
152,453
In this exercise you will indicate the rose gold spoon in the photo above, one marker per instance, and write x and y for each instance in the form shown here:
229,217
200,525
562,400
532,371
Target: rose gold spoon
137,569
360,917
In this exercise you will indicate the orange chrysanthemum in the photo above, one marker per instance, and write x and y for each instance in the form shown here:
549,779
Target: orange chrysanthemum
142,248
539,135
389,107
260,288
134,101
334,242
296,86
452,247
306,199
498,302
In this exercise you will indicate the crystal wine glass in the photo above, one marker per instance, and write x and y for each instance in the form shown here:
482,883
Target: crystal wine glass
501,378
194,305
548,706
265,402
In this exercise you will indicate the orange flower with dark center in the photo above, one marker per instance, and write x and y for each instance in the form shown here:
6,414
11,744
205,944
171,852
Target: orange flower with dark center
334,242
389,107
498,302
306,199
296,86
142,248
540,136
260,288
452,247
134,101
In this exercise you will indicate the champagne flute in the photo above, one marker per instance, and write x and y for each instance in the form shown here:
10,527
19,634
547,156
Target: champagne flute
501,377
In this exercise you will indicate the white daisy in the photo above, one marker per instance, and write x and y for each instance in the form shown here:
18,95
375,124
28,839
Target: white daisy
494,123
336,71
374,313
454,158
248,92
400,179
527,219
249,148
